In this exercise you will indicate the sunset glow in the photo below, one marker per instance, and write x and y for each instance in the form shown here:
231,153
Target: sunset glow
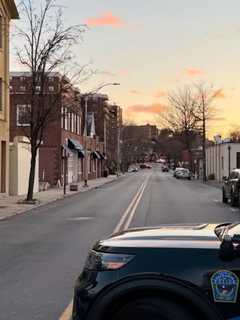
152,49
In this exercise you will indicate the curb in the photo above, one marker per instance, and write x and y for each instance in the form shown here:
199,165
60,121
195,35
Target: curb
69,195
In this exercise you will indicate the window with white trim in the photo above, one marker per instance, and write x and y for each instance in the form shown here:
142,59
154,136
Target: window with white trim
51,88
65,119
22,88
72,123
62,118
80,124
23,115
69,121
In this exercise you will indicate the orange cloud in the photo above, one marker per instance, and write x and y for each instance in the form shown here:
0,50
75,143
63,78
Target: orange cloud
194,72
160,94
151,109
106,19
220,94
137,92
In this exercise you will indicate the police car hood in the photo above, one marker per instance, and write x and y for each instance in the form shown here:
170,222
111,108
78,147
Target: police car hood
200,235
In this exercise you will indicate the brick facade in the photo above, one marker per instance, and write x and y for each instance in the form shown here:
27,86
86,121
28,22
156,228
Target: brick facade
67,125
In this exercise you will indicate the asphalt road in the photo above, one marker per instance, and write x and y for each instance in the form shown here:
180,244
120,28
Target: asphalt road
42,252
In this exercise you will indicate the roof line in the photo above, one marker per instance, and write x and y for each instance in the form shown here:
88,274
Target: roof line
12,9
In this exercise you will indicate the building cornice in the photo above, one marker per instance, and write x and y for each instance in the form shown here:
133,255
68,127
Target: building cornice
12,9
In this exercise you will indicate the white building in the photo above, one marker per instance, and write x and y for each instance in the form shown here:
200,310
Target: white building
221,158
20,161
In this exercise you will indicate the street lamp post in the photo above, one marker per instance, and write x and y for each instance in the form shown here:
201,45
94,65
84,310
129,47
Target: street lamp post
85,133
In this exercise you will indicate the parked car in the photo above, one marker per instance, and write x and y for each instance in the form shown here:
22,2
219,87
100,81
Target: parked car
176,170
231,188
165,168
133,169
145,166
169,272
182,173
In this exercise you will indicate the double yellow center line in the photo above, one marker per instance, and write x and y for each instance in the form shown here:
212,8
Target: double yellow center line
123,224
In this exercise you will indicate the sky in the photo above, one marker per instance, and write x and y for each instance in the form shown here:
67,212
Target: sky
152,47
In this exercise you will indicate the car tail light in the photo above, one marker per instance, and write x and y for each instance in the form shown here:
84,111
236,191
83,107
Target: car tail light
98,261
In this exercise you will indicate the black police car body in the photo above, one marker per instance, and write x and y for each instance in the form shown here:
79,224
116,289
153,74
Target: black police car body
169,272
231,188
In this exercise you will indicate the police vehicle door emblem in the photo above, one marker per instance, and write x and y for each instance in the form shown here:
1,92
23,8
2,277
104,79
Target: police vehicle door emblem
225,286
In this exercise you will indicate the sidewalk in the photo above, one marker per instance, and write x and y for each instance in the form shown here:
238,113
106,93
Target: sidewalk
9,205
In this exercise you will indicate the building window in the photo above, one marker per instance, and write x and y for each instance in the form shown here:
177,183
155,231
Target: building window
75,123
72,123
80,125
50,79
65,119
68,121
23,115
51,88
38,88
238,160
22,88
1,94
22,78
62,118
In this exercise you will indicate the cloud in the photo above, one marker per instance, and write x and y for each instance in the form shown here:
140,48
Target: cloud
160,94
106,19
219,119
124,72
137,92
194,72
219,94
154,108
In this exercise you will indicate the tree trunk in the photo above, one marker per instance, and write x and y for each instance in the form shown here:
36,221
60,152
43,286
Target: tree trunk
204,152
32,174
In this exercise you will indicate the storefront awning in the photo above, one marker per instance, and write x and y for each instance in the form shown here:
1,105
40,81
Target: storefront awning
75,145
96,155
101,155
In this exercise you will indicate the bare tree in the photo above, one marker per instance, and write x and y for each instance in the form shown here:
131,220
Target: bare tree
235,135
45,48
205,96
180,115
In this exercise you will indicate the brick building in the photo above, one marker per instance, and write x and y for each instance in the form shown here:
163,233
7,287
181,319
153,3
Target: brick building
98,105
115,127
108,123
63,136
